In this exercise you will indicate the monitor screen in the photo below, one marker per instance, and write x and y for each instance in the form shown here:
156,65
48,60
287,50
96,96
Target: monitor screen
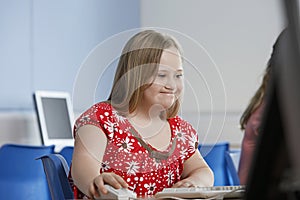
55,117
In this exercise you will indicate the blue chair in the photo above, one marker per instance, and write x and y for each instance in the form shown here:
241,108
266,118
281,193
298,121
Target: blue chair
21,175
235,155
232,161
215,156
67,153
56,170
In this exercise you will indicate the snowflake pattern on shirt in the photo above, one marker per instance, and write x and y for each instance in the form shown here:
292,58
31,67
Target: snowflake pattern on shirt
125,155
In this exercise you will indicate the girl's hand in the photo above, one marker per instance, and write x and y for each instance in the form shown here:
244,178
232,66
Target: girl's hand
185,183
109,178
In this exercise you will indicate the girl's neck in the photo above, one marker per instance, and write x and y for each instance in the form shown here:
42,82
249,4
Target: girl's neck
150,127
154,114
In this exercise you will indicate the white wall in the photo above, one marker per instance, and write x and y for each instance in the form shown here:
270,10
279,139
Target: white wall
227,45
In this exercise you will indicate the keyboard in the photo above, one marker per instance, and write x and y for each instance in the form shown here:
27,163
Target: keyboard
215,192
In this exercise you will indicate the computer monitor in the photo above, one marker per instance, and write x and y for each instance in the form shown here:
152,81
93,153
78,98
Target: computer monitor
55,118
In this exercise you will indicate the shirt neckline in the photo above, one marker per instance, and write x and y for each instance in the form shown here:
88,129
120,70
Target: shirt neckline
137,135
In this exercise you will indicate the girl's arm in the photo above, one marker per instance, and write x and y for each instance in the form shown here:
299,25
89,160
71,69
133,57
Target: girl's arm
89,148
196,173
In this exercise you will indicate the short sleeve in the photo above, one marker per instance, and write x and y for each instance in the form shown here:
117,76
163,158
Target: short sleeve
92,116
186,136
193,140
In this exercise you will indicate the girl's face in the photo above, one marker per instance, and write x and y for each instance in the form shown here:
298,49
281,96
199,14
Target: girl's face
168,82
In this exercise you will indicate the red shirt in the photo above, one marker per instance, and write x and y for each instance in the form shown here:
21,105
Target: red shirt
128,155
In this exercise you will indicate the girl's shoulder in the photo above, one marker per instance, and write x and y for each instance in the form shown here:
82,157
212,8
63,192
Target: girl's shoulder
94,115
177,120
104,106
178,123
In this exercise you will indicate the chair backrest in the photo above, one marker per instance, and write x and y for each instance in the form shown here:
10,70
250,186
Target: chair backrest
232,159
67,153
21,175
215,156
56,170
235,155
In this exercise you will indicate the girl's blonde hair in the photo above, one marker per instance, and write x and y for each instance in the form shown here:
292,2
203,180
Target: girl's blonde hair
138,64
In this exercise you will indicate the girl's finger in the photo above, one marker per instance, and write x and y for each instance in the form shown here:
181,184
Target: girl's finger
121,181
99,184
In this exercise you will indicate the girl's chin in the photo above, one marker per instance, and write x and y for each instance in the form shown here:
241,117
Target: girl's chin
167,105
163,105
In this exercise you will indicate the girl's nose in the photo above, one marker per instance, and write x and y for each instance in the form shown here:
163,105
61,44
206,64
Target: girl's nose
170,83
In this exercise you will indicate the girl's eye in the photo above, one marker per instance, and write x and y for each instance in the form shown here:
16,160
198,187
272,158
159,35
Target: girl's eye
161,75
179,75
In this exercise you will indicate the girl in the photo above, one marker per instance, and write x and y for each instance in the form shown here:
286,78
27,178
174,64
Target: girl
135,139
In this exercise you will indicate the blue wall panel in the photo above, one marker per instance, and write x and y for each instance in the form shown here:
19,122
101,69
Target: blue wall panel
45,42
